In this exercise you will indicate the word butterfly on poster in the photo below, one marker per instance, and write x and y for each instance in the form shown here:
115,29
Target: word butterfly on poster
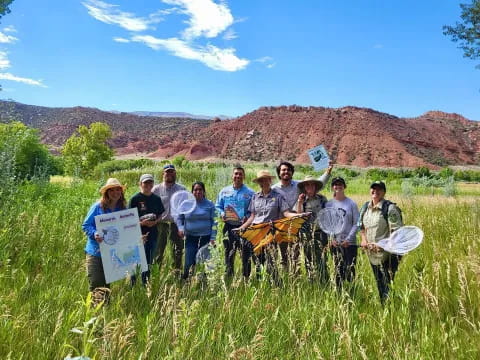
122,246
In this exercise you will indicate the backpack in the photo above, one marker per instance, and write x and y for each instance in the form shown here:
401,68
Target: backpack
386,204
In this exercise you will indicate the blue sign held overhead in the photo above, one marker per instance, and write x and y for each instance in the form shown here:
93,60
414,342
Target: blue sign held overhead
319,157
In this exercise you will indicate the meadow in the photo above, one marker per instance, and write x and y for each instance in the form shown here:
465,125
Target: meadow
45,312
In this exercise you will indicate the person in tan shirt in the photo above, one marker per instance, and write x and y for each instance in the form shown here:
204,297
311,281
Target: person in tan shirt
378,219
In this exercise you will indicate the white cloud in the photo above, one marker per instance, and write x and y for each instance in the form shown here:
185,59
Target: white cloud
10,28
4,61
212,56
110,14
121,40
230,34
272,65
264,59
11,77
207,18
5,38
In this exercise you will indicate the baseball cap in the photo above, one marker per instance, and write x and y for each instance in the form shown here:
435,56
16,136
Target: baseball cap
168,167
379,184
340,180
146,177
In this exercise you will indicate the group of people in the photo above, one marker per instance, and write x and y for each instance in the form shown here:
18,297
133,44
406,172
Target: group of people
240,207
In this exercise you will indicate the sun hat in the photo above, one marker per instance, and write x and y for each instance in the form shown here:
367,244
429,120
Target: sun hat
262,174
312,179
146,177
168,167
110,184
379,184
340,180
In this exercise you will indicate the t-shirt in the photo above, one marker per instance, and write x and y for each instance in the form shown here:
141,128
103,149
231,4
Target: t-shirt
165,193
349,209
150,204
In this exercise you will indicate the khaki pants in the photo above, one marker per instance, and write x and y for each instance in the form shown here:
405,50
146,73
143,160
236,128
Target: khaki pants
95,274
169,231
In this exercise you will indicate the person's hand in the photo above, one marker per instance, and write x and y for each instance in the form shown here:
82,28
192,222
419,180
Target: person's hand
335,243
345,244
330,166
98,238
373,247
145,237
212,242
364,243
240,229
148,223
181,233
301,197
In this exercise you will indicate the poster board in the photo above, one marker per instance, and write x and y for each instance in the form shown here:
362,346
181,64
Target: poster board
319,157
122,247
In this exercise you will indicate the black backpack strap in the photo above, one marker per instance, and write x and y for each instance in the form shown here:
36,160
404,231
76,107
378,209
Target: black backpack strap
362,212
386,204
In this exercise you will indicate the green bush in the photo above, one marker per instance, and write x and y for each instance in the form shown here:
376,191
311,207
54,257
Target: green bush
108,167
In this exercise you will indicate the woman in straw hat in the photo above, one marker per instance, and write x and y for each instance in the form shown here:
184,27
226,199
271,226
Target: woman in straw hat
112,200
313,238
266,205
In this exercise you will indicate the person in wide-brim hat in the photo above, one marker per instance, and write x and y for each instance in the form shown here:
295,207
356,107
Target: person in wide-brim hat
110,184
310,179
263,174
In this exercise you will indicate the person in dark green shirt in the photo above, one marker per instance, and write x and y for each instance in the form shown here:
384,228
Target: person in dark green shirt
150,208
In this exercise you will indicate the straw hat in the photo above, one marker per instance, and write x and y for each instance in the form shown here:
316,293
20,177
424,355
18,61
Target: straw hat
111,183
311,179
262,174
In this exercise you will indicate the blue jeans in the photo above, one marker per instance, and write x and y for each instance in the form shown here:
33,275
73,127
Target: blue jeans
192,244
150,247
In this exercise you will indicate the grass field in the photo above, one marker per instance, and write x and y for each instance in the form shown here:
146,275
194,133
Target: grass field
434,312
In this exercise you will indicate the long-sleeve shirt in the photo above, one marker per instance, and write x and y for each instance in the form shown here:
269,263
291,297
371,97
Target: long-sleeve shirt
89,228
165,192
349,209
238,199
291,191
200,222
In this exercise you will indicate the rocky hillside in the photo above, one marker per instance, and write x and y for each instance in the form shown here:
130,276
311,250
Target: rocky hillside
352,135
132,133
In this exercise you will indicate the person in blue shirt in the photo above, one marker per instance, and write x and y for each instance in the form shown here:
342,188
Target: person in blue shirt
113,199
198,227
232,206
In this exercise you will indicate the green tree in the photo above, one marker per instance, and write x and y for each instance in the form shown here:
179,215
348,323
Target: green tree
22,151
467,32
4,7
86,148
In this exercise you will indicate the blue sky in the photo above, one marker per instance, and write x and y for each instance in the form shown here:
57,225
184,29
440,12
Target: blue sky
231,57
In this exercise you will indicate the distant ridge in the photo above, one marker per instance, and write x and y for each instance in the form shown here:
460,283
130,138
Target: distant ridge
173,115
352,135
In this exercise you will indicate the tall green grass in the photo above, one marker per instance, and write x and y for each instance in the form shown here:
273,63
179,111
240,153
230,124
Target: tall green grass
434,311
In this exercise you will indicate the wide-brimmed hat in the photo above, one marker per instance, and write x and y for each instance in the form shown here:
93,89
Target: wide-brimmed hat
262,174
110,184
312,179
